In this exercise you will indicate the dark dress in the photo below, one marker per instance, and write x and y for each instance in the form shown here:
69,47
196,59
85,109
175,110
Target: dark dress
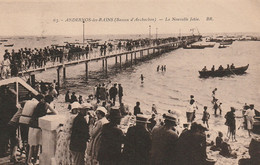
231,121
137,146
110,145
80,134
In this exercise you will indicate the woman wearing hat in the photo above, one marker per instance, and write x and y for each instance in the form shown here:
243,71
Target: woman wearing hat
79,137
111,140
164,140
95,133
138,143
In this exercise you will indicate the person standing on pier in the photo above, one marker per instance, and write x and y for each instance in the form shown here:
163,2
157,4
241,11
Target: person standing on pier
101,50
164,67
113,93
138,143
120,93
119,45
6,67
105,48
87,51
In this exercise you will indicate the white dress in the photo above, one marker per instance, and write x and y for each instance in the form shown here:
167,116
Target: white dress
62,154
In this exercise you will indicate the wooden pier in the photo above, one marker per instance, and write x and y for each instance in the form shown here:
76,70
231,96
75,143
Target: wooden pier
130,57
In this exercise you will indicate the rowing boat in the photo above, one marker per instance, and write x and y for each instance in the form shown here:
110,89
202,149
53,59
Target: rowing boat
225,72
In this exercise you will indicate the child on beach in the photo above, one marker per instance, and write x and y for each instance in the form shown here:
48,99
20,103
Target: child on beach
206,116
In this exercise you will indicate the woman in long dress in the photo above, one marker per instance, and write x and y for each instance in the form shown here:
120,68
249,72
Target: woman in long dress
95,133
63,155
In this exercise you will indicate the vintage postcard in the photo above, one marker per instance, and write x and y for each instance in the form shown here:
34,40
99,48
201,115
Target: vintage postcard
114,82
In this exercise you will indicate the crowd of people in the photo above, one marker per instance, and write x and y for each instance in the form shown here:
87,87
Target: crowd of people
220,68
28,58
93,132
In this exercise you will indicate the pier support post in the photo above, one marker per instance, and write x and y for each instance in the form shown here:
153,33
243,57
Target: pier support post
120,61
116,61
58,77
32,79
126,57
131,59
135,57
106,66
153,51
86,64
147,52
64,72
103,65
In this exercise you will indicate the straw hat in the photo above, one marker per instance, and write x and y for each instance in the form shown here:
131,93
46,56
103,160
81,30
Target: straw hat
75,105
142,118
102,109
170,117
86,105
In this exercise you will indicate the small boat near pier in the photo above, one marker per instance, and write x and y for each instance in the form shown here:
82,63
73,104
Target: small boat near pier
224,72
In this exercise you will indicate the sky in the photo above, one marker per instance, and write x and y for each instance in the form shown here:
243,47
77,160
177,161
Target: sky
48,17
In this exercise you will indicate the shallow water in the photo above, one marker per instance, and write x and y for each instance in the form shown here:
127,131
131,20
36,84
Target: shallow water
171,89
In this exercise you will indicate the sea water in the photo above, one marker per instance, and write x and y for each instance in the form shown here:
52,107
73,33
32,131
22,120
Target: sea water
172,88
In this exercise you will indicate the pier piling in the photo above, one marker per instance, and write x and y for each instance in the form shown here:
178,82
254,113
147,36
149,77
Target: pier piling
106,66
131,59
120,61
58,76
64,72
135,57
86,64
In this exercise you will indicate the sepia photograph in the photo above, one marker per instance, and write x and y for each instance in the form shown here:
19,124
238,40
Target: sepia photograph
129,82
